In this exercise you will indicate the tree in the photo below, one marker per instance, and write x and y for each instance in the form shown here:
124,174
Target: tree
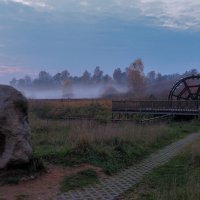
27,80
13,82
191,72
44,77
86,77
159,77
44,80
136,77
98,75
107,79
151,76
57,77
119,77
21,82
65,75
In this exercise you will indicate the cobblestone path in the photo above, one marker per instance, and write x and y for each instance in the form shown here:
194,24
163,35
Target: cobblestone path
112,187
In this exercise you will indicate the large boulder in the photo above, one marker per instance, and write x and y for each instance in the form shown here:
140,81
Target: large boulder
15,134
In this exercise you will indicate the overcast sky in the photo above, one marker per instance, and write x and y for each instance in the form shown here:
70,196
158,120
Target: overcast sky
55,35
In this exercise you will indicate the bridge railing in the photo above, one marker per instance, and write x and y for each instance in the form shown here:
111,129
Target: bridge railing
133,105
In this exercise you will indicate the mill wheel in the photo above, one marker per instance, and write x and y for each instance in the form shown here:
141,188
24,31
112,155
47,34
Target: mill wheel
187,88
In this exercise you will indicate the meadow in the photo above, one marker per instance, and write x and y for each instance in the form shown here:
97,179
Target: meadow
111,146
73,133
71,108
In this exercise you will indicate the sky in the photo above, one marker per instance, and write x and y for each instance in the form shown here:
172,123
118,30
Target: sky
55,35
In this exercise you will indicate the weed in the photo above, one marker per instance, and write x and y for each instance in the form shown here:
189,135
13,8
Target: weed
79,180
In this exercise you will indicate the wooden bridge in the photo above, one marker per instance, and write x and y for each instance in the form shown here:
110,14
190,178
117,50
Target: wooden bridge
175,107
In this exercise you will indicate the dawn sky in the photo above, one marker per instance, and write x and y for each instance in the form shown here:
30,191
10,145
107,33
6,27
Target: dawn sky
55,35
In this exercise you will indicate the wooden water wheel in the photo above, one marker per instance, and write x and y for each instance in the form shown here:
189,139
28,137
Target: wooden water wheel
187,88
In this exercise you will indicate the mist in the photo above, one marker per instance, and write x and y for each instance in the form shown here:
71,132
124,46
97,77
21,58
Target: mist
131,83
77,92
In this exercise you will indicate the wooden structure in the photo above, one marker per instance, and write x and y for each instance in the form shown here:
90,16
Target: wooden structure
124,108
184,99
187,88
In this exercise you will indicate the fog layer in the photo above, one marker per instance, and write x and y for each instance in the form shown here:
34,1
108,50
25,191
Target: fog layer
77,92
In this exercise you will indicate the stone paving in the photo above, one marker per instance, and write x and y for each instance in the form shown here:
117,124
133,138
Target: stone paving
110,188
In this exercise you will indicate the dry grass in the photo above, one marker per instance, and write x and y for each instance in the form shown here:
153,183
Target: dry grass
67,108
71,103
110,146
97,133
71,133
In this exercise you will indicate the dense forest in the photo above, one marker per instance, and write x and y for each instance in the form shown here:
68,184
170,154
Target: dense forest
130,83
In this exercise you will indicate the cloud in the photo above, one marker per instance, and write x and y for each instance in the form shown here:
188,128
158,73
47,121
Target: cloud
11,70
38,4
7,72
176,14
181,14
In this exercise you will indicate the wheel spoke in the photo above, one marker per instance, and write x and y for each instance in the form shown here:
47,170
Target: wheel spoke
182,92
187,88
192,86
198,93
179,97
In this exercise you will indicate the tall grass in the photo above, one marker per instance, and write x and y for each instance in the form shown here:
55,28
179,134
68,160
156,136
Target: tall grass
111,146
71,133
62,109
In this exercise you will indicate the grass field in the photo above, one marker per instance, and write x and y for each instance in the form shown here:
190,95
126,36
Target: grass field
177,180
102,143
67,108
111,146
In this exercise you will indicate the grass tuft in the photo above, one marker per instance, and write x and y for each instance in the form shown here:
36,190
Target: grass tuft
79,180
14,173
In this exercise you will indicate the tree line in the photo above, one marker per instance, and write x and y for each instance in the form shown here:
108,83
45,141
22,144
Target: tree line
133,77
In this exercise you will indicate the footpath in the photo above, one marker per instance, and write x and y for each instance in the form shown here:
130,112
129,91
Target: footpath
110,188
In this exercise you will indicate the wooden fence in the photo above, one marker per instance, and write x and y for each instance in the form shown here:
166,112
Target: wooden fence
157,107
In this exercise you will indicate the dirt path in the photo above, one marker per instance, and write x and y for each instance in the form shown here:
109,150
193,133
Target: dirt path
42,188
